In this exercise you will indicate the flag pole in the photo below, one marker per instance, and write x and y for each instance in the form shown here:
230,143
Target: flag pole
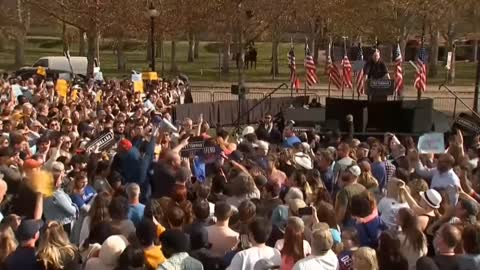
291,84
329,59
419,91
343,70
306,81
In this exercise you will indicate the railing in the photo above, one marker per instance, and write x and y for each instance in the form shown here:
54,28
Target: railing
457,98
442,101
265,97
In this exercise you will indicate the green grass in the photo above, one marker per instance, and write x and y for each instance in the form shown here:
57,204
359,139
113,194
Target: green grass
206,67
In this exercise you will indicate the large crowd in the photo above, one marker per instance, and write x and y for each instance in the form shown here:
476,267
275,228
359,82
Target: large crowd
268,198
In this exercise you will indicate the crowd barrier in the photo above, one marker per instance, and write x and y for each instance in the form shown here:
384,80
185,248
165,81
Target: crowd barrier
226,112
443,101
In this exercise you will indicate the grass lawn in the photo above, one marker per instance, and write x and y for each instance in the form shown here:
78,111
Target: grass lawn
205,69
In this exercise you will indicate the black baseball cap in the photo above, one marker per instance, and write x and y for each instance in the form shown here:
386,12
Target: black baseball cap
28,228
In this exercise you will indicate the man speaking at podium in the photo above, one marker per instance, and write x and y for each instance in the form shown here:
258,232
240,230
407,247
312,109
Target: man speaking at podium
375,68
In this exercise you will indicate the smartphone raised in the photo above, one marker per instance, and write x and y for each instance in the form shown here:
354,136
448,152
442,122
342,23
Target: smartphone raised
305,211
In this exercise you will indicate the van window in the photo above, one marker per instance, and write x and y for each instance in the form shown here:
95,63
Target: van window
41,63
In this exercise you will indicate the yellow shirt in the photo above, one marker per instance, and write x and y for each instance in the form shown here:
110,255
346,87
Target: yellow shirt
154,256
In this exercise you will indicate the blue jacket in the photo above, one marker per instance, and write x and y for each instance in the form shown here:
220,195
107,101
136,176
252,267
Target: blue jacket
60,208
370,231
130,165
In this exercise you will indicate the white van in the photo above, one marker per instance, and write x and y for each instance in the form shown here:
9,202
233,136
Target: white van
79,63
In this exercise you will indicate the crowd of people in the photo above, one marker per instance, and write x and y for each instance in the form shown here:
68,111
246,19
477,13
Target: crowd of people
267,198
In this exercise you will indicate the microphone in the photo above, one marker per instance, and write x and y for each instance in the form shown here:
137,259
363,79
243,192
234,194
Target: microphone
440,86
349,118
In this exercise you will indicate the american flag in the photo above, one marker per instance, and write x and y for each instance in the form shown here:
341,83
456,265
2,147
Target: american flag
332,70
347,72
310,68
294,83
397,57
421,73
359,78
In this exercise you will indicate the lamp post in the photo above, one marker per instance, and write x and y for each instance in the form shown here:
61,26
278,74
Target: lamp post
152,13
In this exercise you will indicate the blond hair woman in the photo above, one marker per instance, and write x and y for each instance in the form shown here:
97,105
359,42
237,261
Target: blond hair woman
55,252
8,244
389,205
365,258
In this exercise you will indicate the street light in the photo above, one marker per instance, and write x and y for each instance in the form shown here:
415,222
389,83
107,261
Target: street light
152,13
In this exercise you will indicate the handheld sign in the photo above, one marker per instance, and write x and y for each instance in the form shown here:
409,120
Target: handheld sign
62,88
41,71
197,146
137,82
101,142
431,143
150,76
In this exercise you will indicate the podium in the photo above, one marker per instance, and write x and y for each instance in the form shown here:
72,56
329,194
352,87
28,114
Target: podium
380,89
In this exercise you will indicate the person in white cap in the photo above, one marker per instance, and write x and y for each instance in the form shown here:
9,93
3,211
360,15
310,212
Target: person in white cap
349,188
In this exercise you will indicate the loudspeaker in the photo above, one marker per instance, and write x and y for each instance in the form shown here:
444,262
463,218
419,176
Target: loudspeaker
421,113
235,89
404,116
338,109
305,117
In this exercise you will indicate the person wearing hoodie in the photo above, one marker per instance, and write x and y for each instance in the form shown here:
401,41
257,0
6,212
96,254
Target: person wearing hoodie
127,161
109,254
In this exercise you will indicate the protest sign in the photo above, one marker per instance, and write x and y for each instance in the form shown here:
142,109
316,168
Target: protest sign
99,77
137,82
198,147
149,76
41,71
62,88
431,143
101,142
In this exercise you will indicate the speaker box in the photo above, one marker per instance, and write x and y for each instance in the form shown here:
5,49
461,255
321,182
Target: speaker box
404,116
338,109
305,117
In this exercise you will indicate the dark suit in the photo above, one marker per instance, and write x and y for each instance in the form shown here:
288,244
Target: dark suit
271,135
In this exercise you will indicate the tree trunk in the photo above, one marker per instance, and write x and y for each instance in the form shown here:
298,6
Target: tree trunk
81,41
64,37
191,48
226,55
91,45
475,51
316,53
241,61
19,50
2,42
173,60
452,69
433,60
197,47
274,58
121,60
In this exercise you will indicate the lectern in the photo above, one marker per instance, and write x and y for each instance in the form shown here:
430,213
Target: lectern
380,89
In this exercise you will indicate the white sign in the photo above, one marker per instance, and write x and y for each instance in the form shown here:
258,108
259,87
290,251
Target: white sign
431,143
449,60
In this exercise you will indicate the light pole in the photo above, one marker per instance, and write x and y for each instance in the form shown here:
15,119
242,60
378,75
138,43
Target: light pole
152,13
